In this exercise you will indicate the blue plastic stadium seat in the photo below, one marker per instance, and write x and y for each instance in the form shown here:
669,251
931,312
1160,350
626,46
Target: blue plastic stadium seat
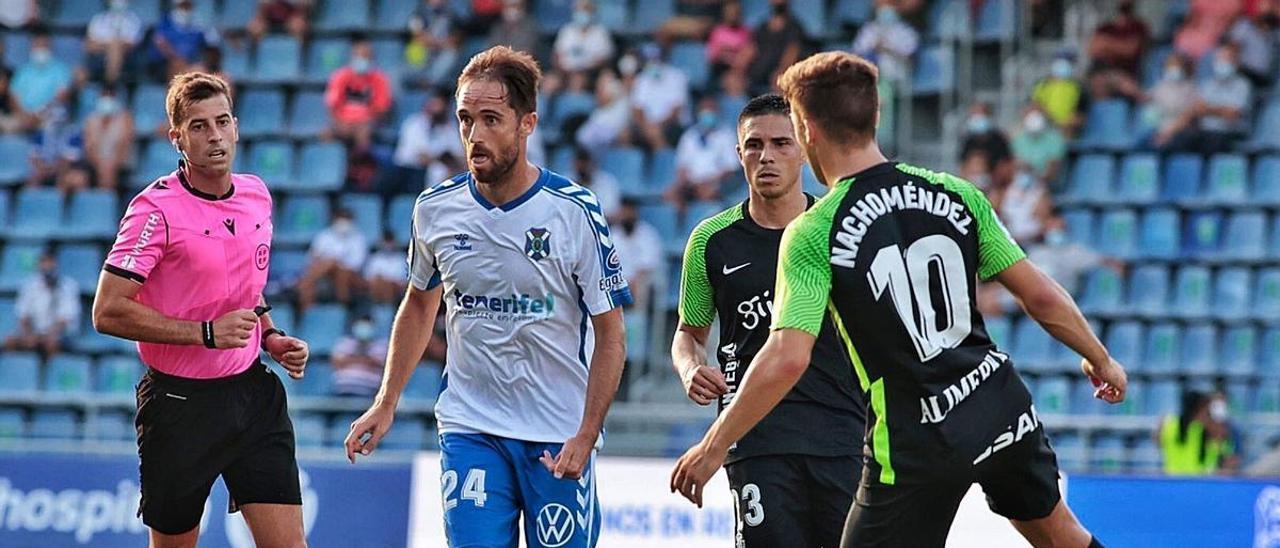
67,374
148,108
1239,350
17,47
62,424
1031,345
1149,289
17,264
1266,180
662,172
1202,236
691,57
1140,178
1246,236
1191,292
15,168
1135,400
1092,179
552,14
1269,352
626,164
75,13
1053,395
37,213
1182,174
1162,349
158,159
237,59
322,166
812,16
1266,295
13,423
400,217
301,217
1264,135
388,56
424,385
1161,236
393,15
1124,340
113,426
318,381
1164,397
1227,182
857,12
117,375
1103,292
68,48
407,434
615,15
8,319
327,55
648,16
92,214
996,21
1231,293
309,428
1080,223
282,314
367,209
934,71
322,325
564,106
236,15
82,263
663,218
1199,349
273,161
261,112
278,59
1107,126
998,328
1109,453
343,15
308,115
1118,233
1267,397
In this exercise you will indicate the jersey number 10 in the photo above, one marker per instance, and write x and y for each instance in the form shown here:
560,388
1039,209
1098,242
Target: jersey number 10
911,275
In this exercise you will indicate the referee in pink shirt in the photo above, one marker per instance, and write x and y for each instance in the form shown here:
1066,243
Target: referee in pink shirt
185,280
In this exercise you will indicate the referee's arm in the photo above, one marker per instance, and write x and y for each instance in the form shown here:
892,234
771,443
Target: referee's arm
117,312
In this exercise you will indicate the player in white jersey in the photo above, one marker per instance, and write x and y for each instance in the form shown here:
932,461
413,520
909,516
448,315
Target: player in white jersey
533,292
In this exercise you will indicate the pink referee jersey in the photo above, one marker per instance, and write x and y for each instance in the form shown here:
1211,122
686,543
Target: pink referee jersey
197,256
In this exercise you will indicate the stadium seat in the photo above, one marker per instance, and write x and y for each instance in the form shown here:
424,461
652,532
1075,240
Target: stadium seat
1053,395
1103,292
408,434
68,48
261,113
1091,180
393,15
1164,397
236,15
650,15
1135,400
663,218
691,57
237,60
1202,235
1191,292
998,328
148,109
13,423
553,14
661,174
113,426
273,161
67,374
1246,236
615,15
75,13
17,47
117,375
1267,397
1032,346
308,115
8,317
1108,453
318,381
1145,457
1161,236
1124,340
60,424
326,55
626,164
1162,349
309,429
400,217
278,59
343,15
1199,349
322,325
1227,179
996,21
322,167
1231,298
36,214
424,385
565,106
1182,174
1239,351
301,218
1140,178
1149,289
15,171
1107,125
1266,181
367,210
1080,223
1118,233
1266,296
92,214
934,71
158,159
82,263
812,16
388,56
17,264
282,315
149,11
1264,137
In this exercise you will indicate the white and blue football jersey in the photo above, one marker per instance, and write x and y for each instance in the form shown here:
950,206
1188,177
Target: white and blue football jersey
520,284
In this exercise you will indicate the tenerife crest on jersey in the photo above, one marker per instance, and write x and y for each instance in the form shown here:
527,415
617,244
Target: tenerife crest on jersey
537,243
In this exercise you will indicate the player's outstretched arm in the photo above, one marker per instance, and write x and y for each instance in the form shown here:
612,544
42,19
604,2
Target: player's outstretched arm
702,383
772,374
409,338
1054,309
117,313
602,383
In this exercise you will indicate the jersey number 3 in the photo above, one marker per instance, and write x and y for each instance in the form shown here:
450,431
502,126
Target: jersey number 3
909,277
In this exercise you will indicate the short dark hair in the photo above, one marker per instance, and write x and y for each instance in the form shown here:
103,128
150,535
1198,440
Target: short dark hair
764,105
581,154
517,71
189,88
837,90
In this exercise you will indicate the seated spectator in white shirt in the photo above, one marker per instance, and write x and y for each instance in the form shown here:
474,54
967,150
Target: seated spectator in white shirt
386,273
1222,114
887,41
583,45
659,96
48,310
640,247
608,123
357,360
428,151
110,39
705,157
337,253
600,182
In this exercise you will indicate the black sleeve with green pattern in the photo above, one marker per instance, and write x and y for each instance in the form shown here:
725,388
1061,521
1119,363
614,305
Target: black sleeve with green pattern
804,272
697,302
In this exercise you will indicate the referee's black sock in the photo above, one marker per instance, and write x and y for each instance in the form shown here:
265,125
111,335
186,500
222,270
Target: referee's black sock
1093,542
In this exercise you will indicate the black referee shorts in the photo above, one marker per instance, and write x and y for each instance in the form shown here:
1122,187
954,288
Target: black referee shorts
792,500
190,431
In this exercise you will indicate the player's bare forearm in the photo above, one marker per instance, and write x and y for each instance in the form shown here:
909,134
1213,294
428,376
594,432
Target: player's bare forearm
116,313
409,337
775,369
689,348
1053,308
606,370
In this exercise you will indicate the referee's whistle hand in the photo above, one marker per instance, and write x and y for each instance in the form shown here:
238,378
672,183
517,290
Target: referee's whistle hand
234,328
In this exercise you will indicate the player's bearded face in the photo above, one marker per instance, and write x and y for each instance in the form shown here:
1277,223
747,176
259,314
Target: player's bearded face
490,130
771,157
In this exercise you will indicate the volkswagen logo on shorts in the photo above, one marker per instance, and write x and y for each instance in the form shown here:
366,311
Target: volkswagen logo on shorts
555,525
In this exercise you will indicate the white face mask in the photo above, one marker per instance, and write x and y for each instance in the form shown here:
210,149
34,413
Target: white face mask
181,17
41,56
343,226
362,330
1173,73
1034,122
1061,68
1055,238
1223,69
1218,410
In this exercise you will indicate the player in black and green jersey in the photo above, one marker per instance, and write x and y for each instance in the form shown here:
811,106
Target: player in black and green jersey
795,474
891,254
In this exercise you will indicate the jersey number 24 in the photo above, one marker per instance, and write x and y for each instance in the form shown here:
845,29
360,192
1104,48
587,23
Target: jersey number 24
910,274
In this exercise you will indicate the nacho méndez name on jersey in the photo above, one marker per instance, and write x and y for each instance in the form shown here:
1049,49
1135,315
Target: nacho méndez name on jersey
892,254
729,271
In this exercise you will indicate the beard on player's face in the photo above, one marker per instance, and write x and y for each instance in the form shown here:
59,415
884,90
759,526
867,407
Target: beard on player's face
500,163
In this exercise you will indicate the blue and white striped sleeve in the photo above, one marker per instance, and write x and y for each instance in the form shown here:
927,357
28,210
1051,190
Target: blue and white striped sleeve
597,268
423,273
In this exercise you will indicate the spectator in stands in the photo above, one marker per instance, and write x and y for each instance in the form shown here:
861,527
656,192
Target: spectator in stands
1063,260
48,310
211,62
178,42
607,124
432,25
1115,51
108,139
691,21
515,29
888,41
1023,202
705,157
659,97
1060,94
358,358
1199,440
428,150
43,81
778,41
110,40
57,153
386,273
604,185
440,66
1205,25
1039,146
640,246
729,46
582,46
12,118
358,95
276,15
1223,111
337,253
982,135
1168,111
1256,36
15,14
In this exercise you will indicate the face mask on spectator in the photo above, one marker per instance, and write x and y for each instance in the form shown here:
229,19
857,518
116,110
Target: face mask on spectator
1055,237
41,56
181,17
1173,73
1061,68
362,330
1218,410
119,5
1034,122
1223,68
360,65
108,105
707,119
511,15
628,65
343,226
582,18
978,124
886,15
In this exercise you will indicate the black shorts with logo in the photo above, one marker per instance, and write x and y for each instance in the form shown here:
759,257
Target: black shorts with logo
190,431
792,500
1021,483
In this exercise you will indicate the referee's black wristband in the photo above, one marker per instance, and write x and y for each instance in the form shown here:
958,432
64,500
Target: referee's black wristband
206,333
270,332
